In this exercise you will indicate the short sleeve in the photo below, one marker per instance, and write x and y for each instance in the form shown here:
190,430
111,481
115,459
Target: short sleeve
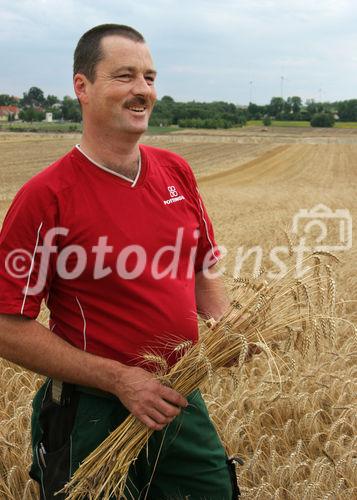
207,250
25,271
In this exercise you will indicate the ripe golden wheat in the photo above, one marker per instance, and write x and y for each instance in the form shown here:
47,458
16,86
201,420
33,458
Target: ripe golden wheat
293,423
283,318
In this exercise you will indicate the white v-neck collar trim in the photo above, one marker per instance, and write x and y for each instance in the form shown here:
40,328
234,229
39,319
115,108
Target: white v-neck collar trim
133,182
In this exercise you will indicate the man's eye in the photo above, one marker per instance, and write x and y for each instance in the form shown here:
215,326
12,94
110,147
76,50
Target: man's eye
150,79
123,77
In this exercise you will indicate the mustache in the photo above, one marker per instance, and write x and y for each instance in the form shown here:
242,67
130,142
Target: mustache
137,101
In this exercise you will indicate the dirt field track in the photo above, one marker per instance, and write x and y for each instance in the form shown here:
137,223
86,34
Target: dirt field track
299,443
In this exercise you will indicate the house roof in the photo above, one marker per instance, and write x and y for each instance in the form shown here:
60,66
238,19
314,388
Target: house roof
6,110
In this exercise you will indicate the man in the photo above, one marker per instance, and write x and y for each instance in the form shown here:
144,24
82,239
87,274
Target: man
101,228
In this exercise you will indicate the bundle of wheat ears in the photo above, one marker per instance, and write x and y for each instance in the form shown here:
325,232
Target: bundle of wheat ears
287,309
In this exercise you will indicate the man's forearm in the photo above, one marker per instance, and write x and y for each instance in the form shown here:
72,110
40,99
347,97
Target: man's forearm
211,296
33,346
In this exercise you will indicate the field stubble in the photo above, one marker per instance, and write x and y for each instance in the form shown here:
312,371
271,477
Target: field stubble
296,432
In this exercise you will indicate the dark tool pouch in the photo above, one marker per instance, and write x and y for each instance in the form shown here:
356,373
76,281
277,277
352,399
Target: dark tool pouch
53,452
234,479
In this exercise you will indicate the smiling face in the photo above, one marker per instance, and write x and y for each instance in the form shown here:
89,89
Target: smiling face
122,96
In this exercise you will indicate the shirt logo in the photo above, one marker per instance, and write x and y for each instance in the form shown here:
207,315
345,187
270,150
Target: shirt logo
172,191
174,196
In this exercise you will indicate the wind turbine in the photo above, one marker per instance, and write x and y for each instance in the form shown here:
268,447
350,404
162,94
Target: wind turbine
282,78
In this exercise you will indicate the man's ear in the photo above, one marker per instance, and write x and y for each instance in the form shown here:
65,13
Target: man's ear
81,86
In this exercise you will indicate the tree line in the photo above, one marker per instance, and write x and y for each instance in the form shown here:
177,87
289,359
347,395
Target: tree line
34,106
225,115
195,114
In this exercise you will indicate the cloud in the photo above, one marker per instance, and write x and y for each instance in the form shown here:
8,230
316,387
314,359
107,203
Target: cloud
203,50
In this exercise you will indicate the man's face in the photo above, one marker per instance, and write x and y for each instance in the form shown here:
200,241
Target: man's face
122,95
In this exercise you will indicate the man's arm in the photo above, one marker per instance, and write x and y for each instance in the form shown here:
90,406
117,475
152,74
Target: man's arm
213,301
211,296
33,346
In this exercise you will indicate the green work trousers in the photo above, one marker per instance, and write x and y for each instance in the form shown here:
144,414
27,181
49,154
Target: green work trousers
190,461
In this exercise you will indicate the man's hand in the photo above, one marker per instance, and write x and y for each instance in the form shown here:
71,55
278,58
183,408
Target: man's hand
147,399
29,344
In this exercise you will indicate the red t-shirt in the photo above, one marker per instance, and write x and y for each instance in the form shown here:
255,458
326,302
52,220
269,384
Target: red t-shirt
121,300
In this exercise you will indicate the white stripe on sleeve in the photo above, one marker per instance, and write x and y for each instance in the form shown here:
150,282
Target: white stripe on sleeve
31,268
205,223
84,325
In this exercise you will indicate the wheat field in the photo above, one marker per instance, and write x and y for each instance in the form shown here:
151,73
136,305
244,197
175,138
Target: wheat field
293,422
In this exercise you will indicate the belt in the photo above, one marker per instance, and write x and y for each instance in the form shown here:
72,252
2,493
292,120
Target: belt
92,391
61,392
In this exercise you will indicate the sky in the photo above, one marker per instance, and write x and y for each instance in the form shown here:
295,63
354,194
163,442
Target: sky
204,50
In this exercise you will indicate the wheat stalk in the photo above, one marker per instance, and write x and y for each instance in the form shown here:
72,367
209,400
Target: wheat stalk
259,313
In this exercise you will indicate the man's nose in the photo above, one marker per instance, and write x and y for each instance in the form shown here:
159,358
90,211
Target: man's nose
141,86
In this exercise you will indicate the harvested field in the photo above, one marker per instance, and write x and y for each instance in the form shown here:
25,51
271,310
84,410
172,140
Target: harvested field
278,134
266,193
293,422
23,155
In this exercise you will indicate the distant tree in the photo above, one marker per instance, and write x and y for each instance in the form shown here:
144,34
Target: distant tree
296,104
288,108
253,111
8,100
33,98
256,112
322,120
31,115
316,107
267,121
276,106
210,115
210,123
164,112
311,108
51,100
71,110
57,114
304,115
4,99
167,100
347,110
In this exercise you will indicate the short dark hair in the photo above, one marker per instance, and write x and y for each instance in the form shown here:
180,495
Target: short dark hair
89,52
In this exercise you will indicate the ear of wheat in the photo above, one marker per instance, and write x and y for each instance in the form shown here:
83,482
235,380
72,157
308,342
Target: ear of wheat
261,313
